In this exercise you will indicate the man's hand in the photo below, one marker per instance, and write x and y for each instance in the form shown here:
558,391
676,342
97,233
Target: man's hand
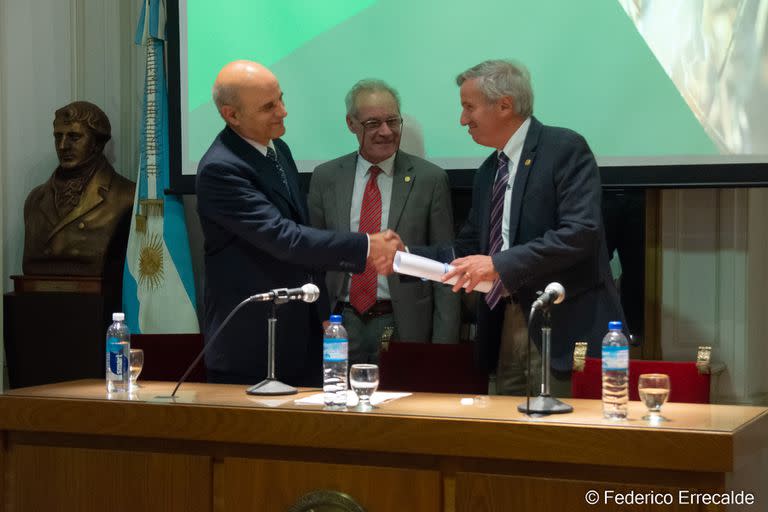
470,270
382,250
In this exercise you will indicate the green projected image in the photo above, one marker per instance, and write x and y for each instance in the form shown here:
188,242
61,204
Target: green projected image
592,71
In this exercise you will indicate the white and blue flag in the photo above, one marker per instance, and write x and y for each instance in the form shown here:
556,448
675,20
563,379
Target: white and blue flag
158,285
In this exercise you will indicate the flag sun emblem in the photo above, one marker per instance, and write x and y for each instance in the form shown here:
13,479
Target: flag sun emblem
151,262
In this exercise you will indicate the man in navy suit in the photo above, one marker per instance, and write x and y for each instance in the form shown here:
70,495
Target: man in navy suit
255,224
548,225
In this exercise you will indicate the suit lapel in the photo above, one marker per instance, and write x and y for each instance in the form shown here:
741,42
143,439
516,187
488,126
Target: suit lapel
344,186
93,196
48,203
402,184
524,168
263,167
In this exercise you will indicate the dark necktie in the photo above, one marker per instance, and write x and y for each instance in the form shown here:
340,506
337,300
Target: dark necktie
497,215
280,171
362,290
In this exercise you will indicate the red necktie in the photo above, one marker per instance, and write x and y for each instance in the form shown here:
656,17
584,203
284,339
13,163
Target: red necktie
362,290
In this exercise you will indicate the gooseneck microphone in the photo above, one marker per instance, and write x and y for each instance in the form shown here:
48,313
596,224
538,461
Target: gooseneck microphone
308,293
554,293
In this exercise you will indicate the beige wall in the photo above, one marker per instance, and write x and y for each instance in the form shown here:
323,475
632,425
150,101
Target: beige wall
714,268
53,52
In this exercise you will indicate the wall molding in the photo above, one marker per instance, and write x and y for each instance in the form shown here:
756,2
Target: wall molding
707,282
77,48
757,276
3,181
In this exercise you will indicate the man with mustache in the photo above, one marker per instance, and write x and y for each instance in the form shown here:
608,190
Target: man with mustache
410,196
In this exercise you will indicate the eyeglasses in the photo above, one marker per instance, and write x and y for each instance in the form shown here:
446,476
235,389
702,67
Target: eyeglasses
394,123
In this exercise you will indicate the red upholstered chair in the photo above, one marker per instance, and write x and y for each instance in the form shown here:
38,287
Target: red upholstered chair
428,367
167,356
689,380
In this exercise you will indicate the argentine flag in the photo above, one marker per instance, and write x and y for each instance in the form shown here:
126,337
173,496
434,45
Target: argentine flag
158,286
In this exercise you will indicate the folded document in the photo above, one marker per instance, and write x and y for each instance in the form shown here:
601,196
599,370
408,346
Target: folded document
425,268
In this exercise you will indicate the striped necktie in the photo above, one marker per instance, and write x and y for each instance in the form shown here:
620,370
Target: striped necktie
497,214
362,289
280,171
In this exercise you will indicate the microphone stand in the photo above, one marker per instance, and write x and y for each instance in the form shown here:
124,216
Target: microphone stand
544,403
271,386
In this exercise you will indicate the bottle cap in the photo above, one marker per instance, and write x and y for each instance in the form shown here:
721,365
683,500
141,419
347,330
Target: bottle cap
614,326
118,317
335,319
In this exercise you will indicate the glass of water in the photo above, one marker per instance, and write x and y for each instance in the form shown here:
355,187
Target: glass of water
653,389
137,363
364,379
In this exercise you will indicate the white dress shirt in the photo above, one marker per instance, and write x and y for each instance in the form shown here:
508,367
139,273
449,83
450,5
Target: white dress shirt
261,148
384,181
513,149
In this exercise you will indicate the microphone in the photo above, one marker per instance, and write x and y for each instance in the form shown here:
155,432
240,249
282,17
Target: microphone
554,293
308,293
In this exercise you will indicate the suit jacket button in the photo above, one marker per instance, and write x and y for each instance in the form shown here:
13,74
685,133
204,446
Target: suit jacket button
81,225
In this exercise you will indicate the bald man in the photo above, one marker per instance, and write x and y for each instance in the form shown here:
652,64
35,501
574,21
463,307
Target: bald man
254,220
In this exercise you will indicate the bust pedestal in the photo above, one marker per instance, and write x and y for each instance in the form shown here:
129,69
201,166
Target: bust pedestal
54,328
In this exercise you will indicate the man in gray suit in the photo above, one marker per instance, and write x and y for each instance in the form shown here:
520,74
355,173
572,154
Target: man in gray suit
375,187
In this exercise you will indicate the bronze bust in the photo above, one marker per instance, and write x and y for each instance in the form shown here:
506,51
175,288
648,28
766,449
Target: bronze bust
76,223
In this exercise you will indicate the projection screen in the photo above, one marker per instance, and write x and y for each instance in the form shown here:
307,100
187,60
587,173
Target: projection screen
666,92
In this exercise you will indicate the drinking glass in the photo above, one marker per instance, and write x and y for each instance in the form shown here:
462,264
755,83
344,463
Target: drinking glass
136,363
364,379
653,389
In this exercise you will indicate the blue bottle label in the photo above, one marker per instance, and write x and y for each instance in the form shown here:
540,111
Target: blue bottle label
615,358
335,350
118,363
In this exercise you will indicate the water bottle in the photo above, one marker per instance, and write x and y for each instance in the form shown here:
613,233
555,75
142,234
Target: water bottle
335,358
118,354
615,372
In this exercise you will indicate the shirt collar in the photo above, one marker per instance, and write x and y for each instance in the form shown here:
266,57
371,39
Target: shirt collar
387,166
261,148
514,145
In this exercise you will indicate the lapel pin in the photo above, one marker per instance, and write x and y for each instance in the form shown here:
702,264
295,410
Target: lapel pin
528,162
407,179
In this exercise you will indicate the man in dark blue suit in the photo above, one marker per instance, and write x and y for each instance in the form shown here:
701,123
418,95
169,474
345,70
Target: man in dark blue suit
535,218
254,220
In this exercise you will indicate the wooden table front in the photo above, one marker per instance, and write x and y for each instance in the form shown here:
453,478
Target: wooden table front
69,446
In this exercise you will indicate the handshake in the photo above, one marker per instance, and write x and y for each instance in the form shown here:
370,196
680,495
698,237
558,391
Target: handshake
381,251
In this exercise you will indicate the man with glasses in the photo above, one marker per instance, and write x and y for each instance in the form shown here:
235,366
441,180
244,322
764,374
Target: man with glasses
377,187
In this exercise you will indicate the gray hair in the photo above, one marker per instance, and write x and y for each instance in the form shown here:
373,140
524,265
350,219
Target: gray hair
499,78
225,95
368,85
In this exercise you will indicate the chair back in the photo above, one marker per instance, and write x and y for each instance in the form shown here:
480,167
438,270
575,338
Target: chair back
687,384
430,367
167,356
